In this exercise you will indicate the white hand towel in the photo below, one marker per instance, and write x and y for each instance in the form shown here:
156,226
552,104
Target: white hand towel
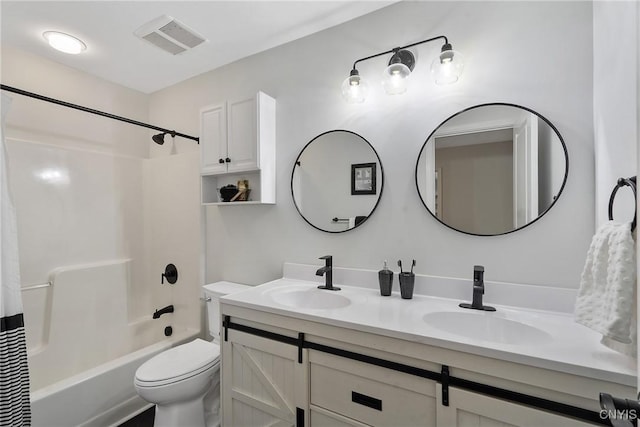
606,300
351,223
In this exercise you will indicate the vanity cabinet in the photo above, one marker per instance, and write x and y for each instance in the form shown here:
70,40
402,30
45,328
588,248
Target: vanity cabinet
287,371
237,141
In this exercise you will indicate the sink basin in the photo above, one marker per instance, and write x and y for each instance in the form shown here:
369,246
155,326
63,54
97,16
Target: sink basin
486,326
309,297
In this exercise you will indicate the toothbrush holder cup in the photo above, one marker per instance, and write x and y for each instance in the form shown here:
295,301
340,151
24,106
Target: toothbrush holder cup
407,281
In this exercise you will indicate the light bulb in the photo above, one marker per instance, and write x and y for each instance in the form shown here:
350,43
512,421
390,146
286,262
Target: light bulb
395,78
64,42
447,67
355,88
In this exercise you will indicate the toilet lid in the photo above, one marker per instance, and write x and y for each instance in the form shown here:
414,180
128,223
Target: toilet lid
178,362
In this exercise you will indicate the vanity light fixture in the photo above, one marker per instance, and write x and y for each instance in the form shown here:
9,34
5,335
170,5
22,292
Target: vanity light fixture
64,42
354,88
446,69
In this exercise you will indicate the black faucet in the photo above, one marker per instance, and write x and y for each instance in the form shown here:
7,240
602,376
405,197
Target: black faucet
165,310
327,271
478,291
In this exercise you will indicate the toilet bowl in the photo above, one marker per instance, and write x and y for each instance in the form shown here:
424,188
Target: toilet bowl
177,380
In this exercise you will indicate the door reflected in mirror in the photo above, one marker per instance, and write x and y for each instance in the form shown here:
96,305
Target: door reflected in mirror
337,181
492,169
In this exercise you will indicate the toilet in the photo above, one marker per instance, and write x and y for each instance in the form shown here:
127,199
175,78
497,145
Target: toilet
184,381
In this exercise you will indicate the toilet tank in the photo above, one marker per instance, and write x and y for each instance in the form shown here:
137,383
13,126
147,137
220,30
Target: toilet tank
212,293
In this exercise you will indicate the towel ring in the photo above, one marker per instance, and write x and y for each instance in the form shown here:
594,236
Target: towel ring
624,182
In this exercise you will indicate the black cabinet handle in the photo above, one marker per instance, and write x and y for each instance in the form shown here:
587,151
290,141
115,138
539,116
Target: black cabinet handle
368,401
299,417
220,160
228,160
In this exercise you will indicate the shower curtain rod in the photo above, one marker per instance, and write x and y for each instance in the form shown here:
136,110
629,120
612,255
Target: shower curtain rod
97,112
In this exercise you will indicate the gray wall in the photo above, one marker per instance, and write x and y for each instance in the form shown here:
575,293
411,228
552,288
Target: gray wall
615,102
536,54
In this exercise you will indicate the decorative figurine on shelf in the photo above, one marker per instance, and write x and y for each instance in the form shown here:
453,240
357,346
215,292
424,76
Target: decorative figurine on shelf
243,191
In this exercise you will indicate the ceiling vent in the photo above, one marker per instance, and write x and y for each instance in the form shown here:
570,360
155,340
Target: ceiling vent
169,35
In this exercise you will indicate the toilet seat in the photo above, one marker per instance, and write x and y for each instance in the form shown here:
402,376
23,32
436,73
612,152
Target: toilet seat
178,364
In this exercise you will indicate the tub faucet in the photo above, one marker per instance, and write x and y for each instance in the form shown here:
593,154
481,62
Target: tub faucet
327,271
165,310
478,291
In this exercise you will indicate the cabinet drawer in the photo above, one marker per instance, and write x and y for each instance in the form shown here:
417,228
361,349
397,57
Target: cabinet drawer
324,418
370,394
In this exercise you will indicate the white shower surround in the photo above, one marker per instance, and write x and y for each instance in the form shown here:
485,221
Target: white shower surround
88,195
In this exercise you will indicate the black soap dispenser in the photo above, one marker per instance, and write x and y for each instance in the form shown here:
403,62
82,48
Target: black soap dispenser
385,277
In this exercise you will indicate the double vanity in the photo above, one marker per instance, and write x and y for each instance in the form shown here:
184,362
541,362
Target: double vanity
298,355
294,354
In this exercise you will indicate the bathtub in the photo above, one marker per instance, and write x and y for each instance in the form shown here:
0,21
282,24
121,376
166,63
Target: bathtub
101,396
84,344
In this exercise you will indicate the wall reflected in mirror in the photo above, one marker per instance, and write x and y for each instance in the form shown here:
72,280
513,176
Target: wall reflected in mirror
337,181
492,169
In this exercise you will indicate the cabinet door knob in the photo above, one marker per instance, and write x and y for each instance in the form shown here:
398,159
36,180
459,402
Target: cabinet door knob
220,160
228,160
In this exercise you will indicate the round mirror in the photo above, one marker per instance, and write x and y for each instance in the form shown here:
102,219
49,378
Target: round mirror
337,181
492,169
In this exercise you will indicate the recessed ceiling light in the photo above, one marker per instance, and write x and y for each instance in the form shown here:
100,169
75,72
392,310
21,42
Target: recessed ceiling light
64,42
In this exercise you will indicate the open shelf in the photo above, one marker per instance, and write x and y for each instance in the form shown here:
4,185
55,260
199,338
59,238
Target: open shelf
212,183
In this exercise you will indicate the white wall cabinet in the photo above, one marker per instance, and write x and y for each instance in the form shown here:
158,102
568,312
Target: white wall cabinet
237,141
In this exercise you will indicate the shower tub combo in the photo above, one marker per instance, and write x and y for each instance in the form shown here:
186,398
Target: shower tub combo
83,363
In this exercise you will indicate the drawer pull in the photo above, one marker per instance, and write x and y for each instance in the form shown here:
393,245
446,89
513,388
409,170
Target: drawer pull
363,399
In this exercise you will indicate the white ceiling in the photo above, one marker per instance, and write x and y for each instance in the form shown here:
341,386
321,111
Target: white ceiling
234,30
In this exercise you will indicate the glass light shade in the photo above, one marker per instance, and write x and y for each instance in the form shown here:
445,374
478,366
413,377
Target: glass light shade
447,67
64,42
355,89
395,78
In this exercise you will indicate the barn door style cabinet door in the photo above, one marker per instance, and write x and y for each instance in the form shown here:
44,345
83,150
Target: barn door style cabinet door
468,409
237,142
264,384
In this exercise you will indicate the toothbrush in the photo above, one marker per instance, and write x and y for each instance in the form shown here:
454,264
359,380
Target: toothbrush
413,264
400,265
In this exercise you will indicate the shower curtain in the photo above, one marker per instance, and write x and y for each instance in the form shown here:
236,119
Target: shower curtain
15,407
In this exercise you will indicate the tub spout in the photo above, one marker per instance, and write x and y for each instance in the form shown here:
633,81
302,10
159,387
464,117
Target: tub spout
165,310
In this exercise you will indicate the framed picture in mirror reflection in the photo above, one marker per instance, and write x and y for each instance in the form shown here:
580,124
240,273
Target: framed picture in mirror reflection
363,179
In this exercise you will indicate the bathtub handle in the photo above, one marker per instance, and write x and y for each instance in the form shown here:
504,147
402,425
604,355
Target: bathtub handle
170,273
205,299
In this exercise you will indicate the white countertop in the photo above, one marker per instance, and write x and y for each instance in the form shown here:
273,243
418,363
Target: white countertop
565,345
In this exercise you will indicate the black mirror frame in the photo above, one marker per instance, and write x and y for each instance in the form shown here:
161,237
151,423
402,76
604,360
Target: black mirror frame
504,104
381,178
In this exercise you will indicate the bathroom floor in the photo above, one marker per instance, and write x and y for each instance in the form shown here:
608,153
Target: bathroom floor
144,419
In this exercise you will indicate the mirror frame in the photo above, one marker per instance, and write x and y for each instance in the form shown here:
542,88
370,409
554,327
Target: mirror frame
503,104
380,178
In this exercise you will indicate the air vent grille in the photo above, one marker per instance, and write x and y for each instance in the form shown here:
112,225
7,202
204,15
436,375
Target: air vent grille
177,32
169,35
164,44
